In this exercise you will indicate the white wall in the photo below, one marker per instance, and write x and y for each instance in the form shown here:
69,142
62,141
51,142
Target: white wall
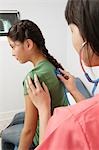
49,15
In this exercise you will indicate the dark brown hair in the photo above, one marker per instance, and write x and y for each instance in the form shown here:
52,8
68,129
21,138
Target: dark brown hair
85,14
26,29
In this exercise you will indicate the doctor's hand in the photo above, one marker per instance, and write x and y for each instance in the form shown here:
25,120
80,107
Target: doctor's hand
68,80
38,94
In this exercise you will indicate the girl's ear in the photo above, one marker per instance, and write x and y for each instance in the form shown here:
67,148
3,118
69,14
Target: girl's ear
29,44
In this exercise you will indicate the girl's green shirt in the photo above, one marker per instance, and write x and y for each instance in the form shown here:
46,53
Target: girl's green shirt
46,73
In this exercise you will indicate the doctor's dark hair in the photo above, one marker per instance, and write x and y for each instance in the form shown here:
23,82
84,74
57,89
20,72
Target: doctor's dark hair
85,15
26,29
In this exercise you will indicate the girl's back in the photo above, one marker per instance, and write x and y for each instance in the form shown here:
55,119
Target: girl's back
46,72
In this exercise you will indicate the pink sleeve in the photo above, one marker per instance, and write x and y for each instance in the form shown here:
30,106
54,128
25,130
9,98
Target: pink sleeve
74,128
69,136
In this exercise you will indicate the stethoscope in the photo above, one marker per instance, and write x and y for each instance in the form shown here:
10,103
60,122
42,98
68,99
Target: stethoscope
86,74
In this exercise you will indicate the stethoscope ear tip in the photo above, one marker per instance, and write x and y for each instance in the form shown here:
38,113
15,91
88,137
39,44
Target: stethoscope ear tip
83,44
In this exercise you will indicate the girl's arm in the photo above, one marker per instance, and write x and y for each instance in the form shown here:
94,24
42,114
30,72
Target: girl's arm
44,116
40,97
30,124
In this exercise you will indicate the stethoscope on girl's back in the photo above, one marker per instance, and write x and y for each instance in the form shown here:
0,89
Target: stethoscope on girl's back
95,82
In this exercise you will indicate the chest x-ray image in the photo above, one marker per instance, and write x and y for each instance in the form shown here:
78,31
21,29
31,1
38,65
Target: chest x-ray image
7,18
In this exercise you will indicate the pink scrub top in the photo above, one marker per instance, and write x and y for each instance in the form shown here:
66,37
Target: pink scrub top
74,127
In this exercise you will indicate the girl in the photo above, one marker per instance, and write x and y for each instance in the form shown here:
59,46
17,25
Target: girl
28,44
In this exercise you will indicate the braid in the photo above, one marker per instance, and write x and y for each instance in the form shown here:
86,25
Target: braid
51,58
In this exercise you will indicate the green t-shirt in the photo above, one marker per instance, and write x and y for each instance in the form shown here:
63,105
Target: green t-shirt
46,73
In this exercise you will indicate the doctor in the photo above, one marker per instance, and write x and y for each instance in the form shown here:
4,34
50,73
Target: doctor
75,127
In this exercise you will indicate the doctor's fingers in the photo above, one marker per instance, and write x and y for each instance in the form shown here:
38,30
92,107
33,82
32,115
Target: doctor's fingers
37,83
65,73
45,88
66,78
29,91
62,78
30,86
